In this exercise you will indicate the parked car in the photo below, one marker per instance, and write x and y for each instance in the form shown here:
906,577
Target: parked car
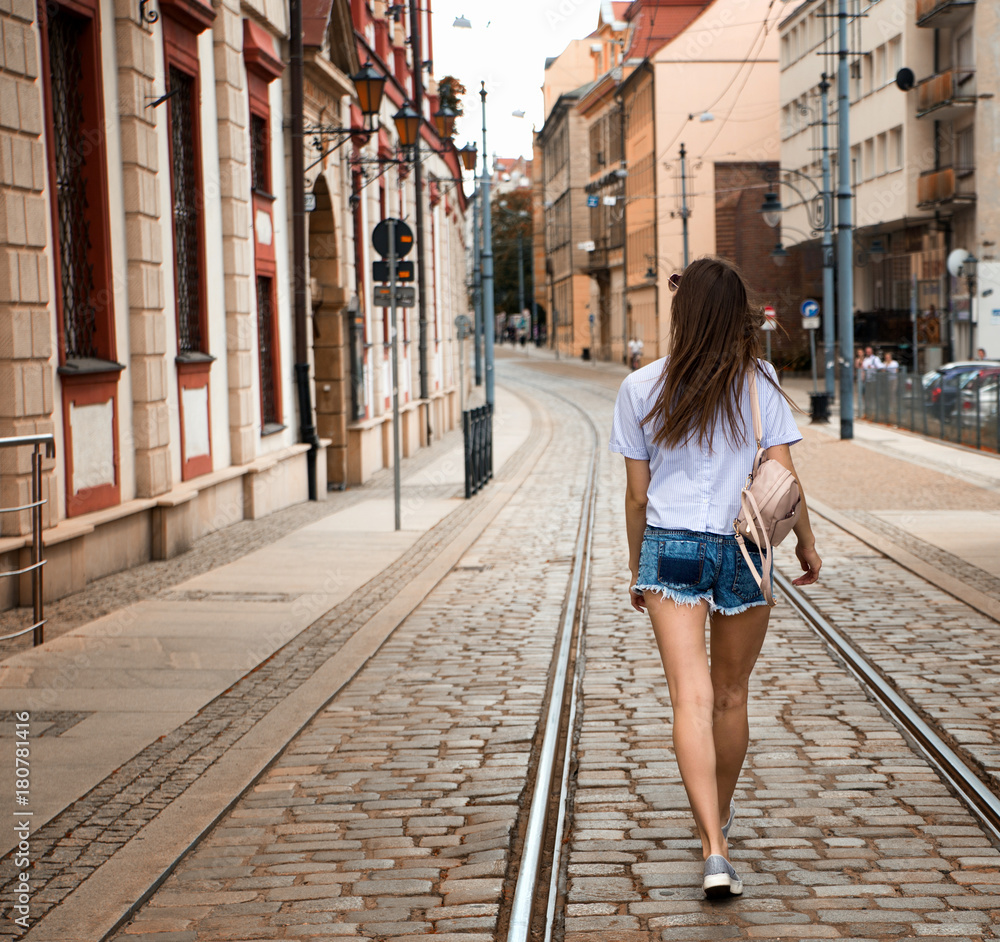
942,387
986,385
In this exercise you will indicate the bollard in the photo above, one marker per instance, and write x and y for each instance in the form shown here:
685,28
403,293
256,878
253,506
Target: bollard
819,408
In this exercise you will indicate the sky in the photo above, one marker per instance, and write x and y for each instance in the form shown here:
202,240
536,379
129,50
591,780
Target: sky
507,48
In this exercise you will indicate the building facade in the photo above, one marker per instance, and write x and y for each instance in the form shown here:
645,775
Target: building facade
922,165
145,296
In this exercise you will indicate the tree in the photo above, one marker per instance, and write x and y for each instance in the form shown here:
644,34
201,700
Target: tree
512,217
450,92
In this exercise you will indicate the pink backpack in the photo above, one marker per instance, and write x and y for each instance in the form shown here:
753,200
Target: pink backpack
769,503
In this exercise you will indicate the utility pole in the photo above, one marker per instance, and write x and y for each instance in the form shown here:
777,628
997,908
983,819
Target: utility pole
416,47
845,234
489,320
829,333
477,288
520,278
684,204
623,170
397,451
307,429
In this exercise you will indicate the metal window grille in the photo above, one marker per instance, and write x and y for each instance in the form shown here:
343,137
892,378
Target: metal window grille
76,269
265,346
258,154
186,211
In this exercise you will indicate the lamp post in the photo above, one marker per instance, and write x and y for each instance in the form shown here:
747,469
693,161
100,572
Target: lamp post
820,219
489,320
418,184
845,234
970,267
468,155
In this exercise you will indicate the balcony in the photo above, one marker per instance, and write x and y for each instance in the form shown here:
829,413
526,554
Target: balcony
949,186
938,13
947,94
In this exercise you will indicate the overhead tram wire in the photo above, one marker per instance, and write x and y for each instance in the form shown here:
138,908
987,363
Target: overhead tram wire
750,54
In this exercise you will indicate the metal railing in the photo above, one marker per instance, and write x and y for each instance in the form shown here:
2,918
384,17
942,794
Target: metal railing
477,427
954,410
35,509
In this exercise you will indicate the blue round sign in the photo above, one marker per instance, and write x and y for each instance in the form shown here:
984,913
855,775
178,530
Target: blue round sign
810,308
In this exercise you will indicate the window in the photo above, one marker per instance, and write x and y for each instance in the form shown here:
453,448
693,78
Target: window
881,66
965,155
896,148
263,66
895,56
881,154
184,178
78,173
965,57
855,73
260,175
869,158
855,164
270,412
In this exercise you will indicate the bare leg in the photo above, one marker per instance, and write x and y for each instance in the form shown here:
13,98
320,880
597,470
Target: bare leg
680,636
736,641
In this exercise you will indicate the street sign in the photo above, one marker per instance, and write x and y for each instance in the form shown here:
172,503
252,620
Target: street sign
592,201
463,325
405,297
770,319
404,271
310,204
404,238
589,246
810,314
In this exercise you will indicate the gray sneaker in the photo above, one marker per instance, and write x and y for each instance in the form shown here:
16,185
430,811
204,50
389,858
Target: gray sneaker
729,823
721,880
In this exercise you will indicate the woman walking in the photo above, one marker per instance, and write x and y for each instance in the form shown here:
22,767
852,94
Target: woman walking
684,425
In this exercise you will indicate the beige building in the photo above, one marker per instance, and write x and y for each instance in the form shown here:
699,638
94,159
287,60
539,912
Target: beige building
574,260
145,289
717,102
922,165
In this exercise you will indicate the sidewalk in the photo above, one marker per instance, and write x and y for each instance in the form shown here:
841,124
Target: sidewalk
105,691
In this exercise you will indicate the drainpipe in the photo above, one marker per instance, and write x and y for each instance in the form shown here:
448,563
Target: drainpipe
307,428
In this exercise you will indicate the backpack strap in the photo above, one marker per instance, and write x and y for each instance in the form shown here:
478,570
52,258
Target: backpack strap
758,426
752,513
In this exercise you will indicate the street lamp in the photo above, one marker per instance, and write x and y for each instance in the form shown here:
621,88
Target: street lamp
779,255
369,83
444,121
771,209
468,155
461,23
407,123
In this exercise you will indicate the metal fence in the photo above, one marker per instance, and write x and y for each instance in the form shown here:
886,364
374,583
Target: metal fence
34,508
477,426
959,409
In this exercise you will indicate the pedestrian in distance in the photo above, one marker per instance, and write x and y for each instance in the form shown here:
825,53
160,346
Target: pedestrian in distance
981,353
889,363
684,426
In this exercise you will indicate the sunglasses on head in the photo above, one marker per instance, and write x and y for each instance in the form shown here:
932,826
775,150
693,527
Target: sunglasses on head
674,282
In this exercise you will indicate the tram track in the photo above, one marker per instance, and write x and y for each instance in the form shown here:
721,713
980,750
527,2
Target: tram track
534,887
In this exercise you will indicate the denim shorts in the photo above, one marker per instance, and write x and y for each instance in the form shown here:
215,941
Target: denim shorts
687,566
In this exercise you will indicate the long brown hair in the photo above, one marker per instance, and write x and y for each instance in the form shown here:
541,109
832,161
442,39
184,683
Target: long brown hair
713,343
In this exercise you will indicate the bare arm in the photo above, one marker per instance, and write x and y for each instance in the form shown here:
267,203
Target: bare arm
637,484
805,547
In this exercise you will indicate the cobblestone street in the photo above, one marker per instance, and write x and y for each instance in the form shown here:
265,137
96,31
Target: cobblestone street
398,811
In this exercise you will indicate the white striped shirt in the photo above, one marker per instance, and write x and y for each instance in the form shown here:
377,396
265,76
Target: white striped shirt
692,487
